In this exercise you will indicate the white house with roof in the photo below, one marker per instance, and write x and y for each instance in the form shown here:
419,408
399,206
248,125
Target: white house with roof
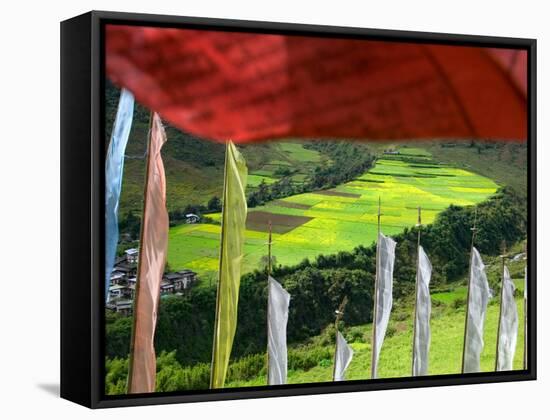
192,218
132,255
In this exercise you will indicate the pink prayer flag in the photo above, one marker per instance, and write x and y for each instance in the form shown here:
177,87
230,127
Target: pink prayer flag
152,258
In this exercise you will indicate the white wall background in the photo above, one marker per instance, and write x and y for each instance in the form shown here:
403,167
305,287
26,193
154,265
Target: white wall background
29,221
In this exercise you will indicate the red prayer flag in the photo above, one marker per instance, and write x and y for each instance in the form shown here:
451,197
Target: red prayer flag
247,86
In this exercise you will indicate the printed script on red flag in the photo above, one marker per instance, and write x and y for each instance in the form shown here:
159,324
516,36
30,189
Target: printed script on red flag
247,86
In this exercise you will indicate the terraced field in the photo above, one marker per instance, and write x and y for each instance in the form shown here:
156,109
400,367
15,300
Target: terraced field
272,161
340,219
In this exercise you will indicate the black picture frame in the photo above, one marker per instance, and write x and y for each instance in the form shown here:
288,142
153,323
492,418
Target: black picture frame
82,209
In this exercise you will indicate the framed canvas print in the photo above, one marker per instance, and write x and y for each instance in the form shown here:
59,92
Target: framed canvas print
255,209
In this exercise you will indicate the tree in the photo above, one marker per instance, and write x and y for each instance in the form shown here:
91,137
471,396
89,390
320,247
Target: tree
263,192
282,171
214,204
264,262
131,225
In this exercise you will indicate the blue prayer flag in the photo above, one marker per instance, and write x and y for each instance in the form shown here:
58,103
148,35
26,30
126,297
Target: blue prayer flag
114,165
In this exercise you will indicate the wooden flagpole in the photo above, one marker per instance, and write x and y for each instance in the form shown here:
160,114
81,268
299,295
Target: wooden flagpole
419,225
268,292
503,257
138,277
474,230
213,365
375,309
339,315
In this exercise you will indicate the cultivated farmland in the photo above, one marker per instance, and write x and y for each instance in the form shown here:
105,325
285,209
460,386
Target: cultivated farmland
325,222
340,219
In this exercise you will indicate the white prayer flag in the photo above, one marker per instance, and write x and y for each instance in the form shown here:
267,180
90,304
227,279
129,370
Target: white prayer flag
342,359
278,302
479,297
383,301
508,329
423,311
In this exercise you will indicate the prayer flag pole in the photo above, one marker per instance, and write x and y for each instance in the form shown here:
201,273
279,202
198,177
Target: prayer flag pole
373,341
419,225
474,230
278,301
339,315
502,257
268,292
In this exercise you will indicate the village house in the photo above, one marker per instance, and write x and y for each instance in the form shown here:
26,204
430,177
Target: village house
192,218
132,286
117,277
119,291
188,277
182,280
123,282
127,270
121,306
131,255
166,287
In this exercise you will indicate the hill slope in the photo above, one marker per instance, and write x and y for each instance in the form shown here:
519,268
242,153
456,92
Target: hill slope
312,360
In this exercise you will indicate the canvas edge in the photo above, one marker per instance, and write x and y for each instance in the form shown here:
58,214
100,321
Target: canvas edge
76,189
95,385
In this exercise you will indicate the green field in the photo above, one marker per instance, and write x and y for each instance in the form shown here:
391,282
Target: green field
325,222
256,180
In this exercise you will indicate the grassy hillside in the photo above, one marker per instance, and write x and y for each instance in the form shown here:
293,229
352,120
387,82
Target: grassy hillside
395,360
447,328
312,360
339,219
194,167
505,163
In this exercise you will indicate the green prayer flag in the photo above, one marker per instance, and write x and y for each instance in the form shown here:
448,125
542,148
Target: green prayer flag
231,255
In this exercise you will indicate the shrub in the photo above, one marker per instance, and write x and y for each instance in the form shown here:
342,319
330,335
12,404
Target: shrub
391,330
355,335
458,303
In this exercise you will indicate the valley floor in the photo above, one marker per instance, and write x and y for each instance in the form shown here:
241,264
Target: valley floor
340,219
